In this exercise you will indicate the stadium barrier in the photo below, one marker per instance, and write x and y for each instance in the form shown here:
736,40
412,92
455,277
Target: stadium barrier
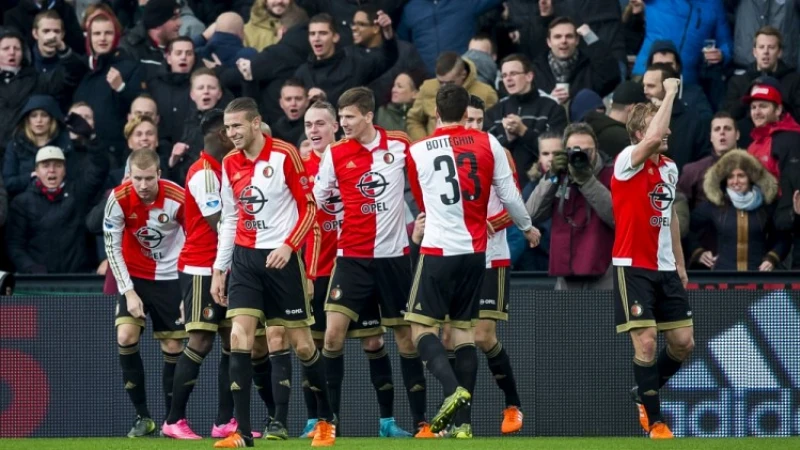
60,376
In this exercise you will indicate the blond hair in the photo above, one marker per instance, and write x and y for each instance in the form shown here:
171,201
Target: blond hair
637,119
134,123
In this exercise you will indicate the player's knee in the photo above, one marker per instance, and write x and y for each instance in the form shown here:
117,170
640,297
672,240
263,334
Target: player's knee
201,341
276,339
683,347
404,339
646,350
171,346
485,340
304,348
372,343
334,338
127,336
239,338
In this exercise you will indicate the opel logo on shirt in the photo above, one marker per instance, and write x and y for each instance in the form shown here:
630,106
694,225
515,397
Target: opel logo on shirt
333,205
662,196
372,184
149,238
252,200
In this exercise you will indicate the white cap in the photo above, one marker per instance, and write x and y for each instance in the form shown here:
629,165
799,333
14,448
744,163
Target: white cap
49,152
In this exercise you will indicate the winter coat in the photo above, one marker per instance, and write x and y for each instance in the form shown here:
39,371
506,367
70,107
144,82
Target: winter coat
171,93
603,16
688,140
261,30
227,46
754,14
612,136
392,116
442,25
137,46
764,148
129,13
595,70
687,23
422,116
289,130
343,11
21,17
744,238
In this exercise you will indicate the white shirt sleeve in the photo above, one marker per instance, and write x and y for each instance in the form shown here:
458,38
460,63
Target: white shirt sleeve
506,188
113,229
205,189
325,183
623,168
227,226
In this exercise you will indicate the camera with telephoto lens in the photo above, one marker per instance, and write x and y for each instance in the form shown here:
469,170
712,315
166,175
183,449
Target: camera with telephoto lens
578,159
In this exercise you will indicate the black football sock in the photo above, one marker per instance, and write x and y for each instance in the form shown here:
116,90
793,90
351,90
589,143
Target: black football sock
467,374
451,358
185,378
646,375
414,380
314,372
500,366
667,365
241,373
168,377
281,383
310,399
434,356
225,411
380,373
133,376
334,374
262,381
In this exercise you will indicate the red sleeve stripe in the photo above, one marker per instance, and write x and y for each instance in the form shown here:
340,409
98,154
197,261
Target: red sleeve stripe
292,152
233,152
316,246
309,218
501,221
399,136
122,191
174,193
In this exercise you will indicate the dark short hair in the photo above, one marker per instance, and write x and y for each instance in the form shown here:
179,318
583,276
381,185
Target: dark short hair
322,104
324,18
726,115
361,97
243,104
203,71
294,82
179,39
48,14
769,30
370,10
477,102
527,66
212,121
452,102
560,21
579,128
666,70
447,61
481,36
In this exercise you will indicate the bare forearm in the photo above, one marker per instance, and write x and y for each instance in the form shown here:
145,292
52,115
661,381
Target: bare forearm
677,248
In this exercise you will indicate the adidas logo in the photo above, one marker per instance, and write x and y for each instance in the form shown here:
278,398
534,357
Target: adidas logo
133,216
237,176
235,387
190,382
418,307
129,385
285,383
742,383
386,387
417,388
350,165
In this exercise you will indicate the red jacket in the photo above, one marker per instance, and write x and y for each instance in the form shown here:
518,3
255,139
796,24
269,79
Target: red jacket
761,147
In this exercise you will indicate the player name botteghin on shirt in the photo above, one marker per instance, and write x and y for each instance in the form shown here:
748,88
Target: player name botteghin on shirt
371,181
451,175
266,202
144,241
321,242
203,183
642,198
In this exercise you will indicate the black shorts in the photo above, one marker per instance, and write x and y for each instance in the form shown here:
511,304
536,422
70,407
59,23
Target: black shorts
358,284
200,311
162,302
493,304
649,298
277,297
447,287
369,323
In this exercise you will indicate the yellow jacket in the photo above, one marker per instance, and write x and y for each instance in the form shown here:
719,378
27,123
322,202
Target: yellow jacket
261,30
421,118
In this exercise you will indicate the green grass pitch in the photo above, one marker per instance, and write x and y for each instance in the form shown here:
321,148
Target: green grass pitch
418,444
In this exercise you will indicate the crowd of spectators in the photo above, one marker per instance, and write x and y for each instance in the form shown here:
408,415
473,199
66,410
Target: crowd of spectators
83,83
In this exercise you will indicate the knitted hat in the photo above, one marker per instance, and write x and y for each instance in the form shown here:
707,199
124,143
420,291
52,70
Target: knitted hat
585,100
159,12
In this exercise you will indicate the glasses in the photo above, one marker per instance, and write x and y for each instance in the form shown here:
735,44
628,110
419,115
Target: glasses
511,74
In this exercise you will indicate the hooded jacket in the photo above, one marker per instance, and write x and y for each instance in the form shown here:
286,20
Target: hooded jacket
20,157
745,239
422,116
691,94
770,146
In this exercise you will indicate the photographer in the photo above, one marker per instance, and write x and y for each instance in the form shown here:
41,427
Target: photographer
575,193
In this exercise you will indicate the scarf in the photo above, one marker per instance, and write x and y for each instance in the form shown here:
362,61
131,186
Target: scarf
748,201
51,194
562,68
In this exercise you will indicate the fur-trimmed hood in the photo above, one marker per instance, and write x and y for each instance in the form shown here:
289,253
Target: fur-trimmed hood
714,182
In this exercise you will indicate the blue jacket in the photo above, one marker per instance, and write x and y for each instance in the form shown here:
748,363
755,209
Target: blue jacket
687,23
227,46
442,25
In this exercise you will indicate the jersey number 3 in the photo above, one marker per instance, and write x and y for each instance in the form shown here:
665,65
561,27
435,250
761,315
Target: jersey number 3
445,162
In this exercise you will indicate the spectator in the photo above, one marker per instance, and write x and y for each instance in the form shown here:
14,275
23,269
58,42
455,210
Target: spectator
610,128
529,23
19,80
223,41
633,28
738,212
22,17
576,194
767,49
585,101
145,43
776,136
46,232
450,69
48,30
40,124
518,119
112,83
688,139
367,38
171,89
293,102
566,68
393,115
267,22
482,51
3,202
87,153
441,26
335,71
131,12
689,23
141,132
692,95
752,15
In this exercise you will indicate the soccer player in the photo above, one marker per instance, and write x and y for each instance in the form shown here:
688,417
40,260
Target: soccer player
372,266
143,228
204,317
451,175
267,211
649,273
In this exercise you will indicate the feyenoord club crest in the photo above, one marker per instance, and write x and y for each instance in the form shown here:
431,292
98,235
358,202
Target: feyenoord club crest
388,158
163,218
268,172
303,180
636,310
208,313
336,293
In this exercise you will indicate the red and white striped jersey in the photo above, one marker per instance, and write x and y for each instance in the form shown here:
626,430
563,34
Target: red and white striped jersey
642,198
451,174
142,240
371,182
202,200
321,242
498,254
266,202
